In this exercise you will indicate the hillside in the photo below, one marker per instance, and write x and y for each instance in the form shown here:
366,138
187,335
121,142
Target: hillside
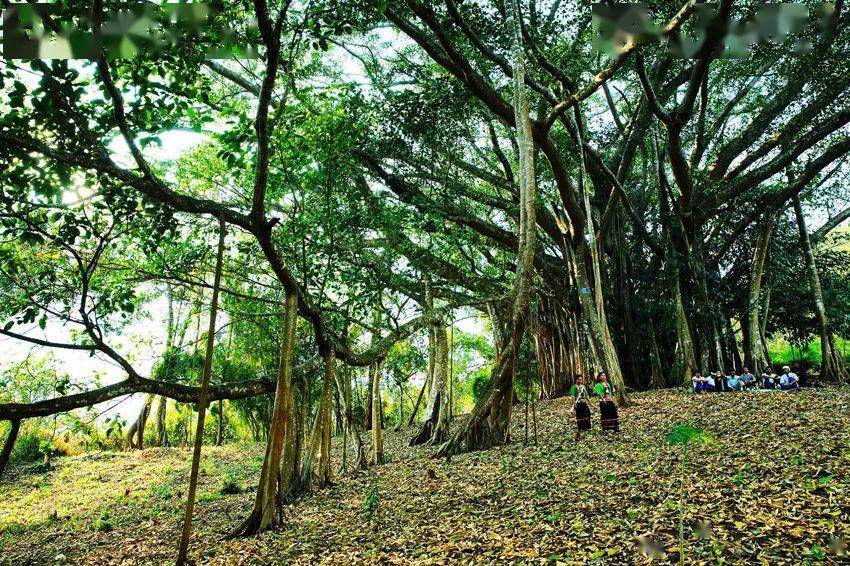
772,487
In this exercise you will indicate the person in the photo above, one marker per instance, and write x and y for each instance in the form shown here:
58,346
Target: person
602,386
769,379
734,381
748,380
608,415
702,384
581,406
801,374
720,381
789,381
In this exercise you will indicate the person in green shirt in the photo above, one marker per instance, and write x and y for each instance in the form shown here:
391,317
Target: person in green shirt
581,407
602,387
607,408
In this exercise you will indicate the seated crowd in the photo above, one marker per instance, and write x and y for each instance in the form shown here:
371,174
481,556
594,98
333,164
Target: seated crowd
744,380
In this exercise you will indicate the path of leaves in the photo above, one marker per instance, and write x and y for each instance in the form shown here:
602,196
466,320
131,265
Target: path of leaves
773,489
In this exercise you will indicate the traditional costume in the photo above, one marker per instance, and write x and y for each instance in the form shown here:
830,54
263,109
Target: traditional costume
610,418
581,408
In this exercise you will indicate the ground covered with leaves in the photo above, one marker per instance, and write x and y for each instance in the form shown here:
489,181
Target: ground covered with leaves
772,488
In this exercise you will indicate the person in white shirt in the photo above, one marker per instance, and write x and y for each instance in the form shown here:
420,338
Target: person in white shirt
789,381
701,384
769,379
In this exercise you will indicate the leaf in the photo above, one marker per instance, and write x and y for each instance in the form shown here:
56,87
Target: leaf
684,434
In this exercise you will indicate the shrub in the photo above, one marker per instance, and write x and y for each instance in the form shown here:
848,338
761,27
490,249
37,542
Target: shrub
26,448
229,486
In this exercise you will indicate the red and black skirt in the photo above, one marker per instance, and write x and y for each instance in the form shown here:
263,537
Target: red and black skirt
609,416
582,415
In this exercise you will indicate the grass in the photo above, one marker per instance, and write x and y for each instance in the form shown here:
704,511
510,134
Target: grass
780,464
783,352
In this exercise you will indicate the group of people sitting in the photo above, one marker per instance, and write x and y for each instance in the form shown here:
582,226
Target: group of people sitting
609,416
743,381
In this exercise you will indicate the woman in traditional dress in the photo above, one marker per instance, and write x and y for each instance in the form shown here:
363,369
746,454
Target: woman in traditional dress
581,407
607,408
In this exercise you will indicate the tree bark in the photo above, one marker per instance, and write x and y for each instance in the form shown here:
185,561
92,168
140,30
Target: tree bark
202,405
435,428
137,429
489,423
756,359
377,456
832,364
160,434
320,438
9,445
277,478
344,385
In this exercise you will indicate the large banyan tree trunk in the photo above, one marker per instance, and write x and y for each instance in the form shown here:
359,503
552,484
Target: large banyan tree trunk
435,428
279,474
832,364
756,358
488,423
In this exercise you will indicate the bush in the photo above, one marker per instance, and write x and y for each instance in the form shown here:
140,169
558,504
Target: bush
26,448
229,486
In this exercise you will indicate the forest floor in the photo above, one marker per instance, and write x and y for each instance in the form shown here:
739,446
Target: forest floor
773,488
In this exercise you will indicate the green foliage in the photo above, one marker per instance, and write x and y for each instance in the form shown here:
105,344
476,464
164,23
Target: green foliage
27,448
229,486
480,382
103,524
685,434
371,502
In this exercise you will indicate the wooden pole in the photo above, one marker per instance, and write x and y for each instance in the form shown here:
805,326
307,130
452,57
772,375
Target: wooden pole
202,403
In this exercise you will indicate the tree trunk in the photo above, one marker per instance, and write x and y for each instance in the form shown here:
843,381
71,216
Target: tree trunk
9,445
435,428
320,438
832,364
202,404
599,335
377,456
219,433
367,414
344,384
277,477
756,359
137,429
489,423
160,435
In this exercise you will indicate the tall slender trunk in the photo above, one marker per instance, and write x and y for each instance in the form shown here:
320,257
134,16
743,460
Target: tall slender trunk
160,433
377,456
598,332
488,424
756,359
737,360
320,438
278,475
202,402
832,363
344,384
435,428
